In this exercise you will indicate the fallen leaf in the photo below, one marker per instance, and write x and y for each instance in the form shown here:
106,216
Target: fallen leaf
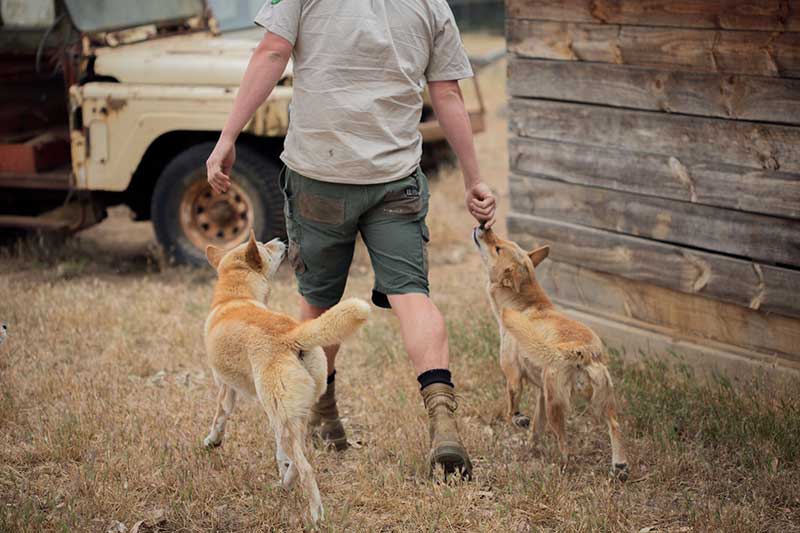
523,526
153,519
637,480
157,379
117,527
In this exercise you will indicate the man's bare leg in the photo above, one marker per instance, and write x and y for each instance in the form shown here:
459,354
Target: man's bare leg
423,330
325,426
425,338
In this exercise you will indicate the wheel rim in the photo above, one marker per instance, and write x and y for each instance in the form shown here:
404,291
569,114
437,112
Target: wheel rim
210,218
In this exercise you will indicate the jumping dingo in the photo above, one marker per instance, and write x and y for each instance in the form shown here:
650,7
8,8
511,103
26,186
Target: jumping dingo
270,356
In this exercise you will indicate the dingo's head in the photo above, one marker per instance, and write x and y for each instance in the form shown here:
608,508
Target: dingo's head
507,264
251,256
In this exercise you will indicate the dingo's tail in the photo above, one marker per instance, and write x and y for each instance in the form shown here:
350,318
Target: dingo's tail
332,327
543,350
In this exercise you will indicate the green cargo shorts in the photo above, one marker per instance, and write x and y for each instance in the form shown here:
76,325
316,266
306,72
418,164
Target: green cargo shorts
323,220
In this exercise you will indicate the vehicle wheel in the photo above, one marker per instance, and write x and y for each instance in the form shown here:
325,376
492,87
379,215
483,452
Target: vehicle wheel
187,215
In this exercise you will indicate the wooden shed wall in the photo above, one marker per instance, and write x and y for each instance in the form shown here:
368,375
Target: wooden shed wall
656,145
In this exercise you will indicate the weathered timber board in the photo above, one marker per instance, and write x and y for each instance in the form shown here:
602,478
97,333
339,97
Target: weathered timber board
717,184
683,314
741,282
692,93
763,238
732,52
634,340
724,14
748,144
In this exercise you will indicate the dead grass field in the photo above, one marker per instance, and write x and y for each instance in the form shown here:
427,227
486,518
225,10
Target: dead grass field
105,398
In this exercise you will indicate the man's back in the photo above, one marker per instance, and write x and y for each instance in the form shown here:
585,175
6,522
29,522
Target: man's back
359,71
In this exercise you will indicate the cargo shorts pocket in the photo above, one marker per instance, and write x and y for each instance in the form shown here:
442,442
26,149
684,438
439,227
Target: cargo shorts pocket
407,201
316,208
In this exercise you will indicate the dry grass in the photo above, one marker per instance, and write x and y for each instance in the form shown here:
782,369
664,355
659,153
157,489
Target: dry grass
106,397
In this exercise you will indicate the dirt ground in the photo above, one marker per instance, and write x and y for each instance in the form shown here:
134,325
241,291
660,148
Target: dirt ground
105,399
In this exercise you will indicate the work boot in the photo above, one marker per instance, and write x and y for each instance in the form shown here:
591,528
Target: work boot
446,447
324,425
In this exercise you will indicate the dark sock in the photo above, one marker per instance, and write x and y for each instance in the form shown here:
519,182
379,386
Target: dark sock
332,376
436,375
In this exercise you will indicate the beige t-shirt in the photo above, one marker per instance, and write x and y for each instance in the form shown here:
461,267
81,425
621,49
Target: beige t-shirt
359,72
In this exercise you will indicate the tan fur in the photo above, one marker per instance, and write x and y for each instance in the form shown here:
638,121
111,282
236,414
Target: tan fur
270,356
559,355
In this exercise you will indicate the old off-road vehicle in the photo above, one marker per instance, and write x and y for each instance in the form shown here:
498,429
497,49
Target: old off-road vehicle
108,102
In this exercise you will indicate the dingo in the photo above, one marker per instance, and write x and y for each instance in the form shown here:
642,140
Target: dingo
259,353
559,355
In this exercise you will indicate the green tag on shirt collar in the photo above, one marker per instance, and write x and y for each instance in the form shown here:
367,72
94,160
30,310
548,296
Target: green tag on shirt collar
274,2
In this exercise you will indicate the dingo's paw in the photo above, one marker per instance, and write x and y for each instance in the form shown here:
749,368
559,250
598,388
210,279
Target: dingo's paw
620,471
210,442
521,421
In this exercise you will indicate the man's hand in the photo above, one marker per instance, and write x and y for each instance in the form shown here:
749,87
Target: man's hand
481,204
219,165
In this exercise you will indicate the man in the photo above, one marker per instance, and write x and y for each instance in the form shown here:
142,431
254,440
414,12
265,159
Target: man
352,165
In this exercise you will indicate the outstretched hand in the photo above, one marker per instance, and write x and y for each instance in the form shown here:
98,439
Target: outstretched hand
219,165
481,204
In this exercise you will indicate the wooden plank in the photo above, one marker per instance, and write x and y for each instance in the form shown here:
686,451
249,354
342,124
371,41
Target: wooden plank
683,315
768,239
741,282
634,340
431,130
564,41
731,52
747,144
724,14
693,93
55,179
717,184
13,221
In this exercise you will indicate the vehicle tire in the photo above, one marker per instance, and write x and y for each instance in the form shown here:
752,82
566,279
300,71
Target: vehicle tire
187,215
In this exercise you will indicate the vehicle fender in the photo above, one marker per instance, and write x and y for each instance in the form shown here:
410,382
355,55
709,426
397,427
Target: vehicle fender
120,121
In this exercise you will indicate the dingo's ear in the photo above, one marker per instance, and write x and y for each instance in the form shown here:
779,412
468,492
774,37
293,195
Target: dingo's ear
252,255
513,278
214,255
538,255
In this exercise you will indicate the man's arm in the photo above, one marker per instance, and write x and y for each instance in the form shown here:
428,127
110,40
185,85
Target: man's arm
448,103
263,72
